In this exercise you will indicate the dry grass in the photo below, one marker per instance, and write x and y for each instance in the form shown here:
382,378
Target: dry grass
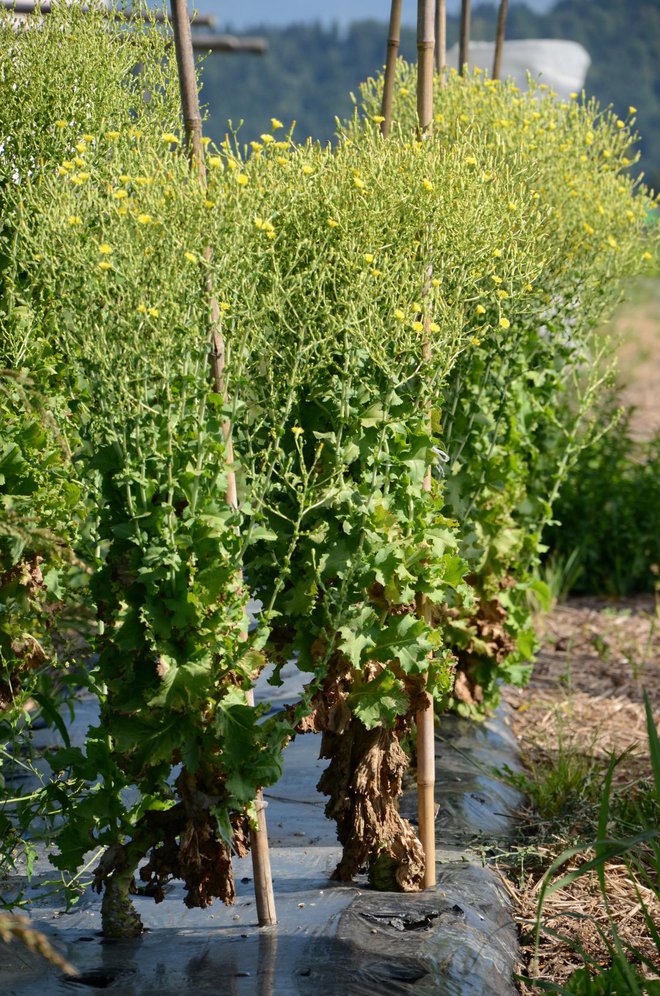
583,703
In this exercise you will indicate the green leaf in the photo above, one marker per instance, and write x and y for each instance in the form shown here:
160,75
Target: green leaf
380,701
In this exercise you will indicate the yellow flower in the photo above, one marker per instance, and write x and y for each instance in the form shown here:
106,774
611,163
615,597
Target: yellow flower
297,430
242,179
142,308
619,124
332,223
427,185
512,206
282,161
631,110
62,170
358,182
104,265
573,95
504,323
266,139
307,169
144,219
496,280
475,341
435,282
502,294
415,306
81,147
368,257
480,309
120,195
78,161
647,256
404,91
377,118
471,161
275,123
205,141
74,219
223,306
399,315
153,312
191,257
434,327
209,204
529,287
497,253
256,146
105,249
417,327
112,136
124,178
612,242
88,138
169,137
61,123
376,273
587,227
281,145
214,161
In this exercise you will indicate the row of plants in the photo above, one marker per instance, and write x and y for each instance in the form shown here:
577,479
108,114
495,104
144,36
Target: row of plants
385,307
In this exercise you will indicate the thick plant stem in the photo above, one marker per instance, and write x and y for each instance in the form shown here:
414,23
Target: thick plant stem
499,39
390,66
440,37
464,37
193,128
425,47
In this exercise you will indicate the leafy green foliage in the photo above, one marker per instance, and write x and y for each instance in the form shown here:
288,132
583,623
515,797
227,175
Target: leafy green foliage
524,401
607,515
375,302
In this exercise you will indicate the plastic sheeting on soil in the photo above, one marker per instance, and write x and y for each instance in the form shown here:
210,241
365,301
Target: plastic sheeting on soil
458,938
563,65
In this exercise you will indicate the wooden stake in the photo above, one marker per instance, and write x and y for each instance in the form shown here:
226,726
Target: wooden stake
425,716
464,39
263,885
499,39
425,47
440,36
390,66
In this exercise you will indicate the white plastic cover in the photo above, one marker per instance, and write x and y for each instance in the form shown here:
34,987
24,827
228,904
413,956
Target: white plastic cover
563,65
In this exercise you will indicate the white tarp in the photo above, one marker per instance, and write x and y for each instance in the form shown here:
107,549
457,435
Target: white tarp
562,65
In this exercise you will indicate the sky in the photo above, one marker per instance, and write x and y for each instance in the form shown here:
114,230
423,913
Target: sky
248,13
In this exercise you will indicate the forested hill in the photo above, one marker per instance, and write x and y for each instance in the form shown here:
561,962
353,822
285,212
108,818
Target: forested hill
309,70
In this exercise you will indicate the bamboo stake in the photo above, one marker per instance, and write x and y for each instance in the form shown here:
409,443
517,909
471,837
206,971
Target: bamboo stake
263,884
425,46
390,66
499,39
425,716
440,36
464,39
